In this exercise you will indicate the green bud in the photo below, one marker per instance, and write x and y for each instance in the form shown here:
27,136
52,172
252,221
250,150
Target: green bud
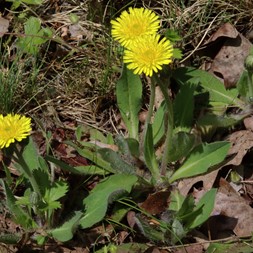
249,63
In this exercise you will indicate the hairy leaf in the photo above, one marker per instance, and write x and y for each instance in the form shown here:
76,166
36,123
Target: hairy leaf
97,202
65,232
129,96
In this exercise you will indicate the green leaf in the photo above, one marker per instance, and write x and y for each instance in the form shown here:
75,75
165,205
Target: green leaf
117,161
30,157
10,238
42,179
57,190
206,203
134,148
158,126
34,2
217,120
67,229
129,97
178,231
183,108
152,233
242,84
201,159
125,247
220,248
93,156
211,84
172,35
149,154
186,207
80,170
177,53
176,201
21,217
105,192
182,144
34,36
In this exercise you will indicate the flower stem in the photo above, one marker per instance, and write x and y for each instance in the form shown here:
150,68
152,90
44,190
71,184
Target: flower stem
151,103
169,126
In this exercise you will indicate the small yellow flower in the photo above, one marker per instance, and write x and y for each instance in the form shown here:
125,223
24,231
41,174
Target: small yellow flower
13,127
133,24
147,54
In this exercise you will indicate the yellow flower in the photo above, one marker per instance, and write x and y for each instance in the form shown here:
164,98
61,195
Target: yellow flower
133,24
147,54
13,127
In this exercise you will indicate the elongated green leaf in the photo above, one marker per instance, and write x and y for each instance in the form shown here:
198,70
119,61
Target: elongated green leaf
10,238
21,217
217,120
215,87
30,159
35,2
149,153
201,159
67,229
176,201
206,203
242,84
183,108
92,155
117,161
129,95
82,170
102,195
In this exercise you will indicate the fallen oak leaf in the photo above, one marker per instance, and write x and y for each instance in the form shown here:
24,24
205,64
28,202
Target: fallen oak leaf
230,204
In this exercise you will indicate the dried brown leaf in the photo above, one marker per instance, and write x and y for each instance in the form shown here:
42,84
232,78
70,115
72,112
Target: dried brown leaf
4,25
208,179
241,142
230,204
233,48
156,203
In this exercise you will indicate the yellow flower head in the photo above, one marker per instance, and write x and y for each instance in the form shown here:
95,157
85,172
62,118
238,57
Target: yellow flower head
133,24
147,54
13,127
